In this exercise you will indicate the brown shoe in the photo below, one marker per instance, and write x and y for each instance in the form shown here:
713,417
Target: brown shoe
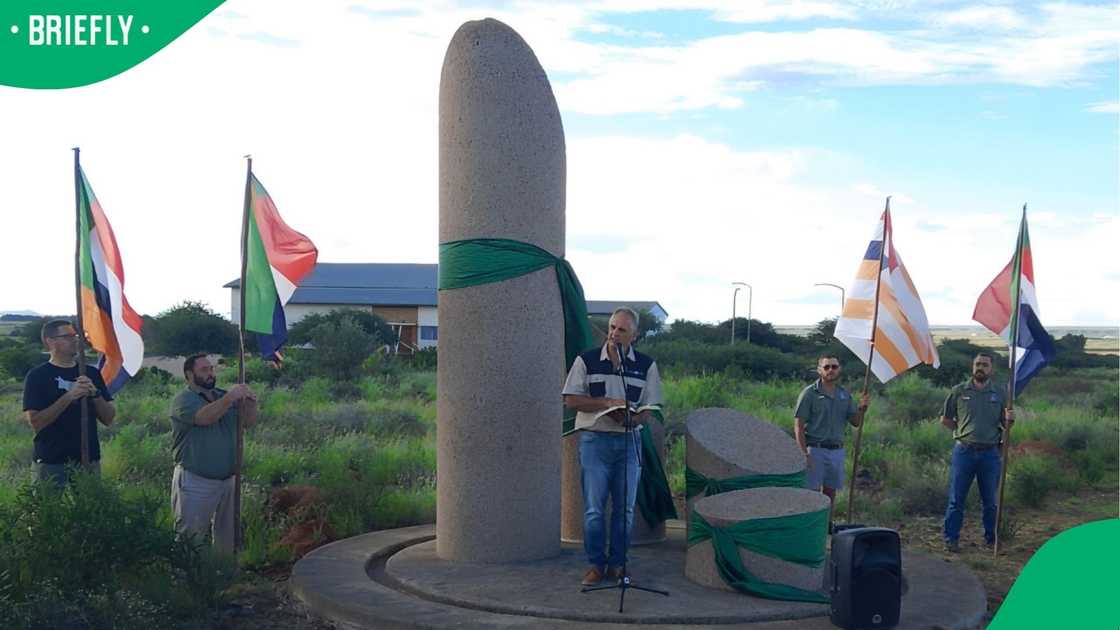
614,574
593,576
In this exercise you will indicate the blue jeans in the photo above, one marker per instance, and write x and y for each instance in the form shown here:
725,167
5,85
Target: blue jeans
984,466
602,457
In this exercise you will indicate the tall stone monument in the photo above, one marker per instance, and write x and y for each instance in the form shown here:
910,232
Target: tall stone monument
501,347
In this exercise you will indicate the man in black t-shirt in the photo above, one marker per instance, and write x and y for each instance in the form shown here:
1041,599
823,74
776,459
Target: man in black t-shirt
51,395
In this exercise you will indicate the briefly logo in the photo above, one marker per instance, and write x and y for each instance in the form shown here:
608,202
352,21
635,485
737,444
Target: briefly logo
64,385
79,30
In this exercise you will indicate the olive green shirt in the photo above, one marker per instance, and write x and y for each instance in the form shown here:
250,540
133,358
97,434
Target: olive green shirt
209,450
824,415
978,412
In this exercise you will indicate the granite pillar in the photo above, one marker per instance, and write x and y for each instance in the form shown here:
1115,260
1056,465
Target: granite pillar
501,346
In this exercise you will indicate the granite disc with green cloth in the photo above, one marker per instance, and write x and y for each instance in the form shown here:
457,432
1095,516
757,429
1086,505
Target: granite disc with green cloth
726,449
763,542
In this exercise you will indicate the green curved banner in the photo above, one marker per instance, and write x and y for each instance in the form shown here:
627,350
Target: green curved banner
52,44
1070,582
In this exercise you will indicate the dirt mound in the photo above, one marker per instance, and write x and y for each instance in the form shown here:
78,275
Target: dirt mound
1041,447
305,510
290,500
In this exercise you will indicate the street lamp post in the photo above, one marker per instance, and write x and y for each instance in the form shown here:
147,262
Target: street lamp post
734,297
750,301
835,286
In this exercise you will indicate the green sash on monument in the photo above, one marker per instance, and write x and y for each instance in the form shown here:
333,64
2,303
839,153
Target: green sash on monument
475,261
655,500
695,482
798,538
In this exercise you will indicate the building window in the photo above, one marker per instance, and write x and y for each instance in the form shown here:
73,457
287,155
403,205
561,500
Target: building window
429,333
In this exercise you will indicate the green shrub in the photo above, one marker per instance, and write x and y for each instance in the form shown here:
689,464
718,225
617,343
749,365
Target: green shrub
340,348
912,399
303,331
425,360
274,465
188,328
135,455
345,390
924,495
16,361
88,556
1031,478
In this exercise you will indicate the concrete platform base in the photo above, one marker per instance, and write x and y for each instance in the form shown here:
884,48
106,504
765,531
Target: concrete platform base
393,579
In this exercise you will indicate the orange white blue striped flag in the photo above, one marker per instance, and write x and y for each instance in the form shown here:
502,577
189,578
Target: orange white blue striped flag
110,324
883,293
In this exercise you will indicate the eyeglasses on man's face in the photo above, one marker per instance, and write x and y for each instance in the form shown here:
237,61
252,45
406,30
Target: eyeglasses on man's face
830,366
64,336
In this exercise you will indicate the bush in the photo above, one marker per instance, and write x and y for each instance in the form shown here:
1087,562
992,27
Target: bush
426,360
924,495
152,376
912,399
1032,478
17,360
90,557
340,348
188,328
303,331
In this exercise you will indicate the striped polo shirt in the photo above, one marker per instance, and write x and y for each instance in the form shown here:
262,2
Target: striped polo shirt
593,375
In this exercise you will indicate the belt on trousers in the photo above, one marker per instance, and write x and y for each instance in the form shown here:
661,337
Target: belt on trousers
832,446
977,447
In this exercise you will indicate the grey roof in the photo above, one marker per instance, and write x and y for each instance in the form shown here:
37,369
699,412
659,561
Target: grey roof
395,284
606,307
384,284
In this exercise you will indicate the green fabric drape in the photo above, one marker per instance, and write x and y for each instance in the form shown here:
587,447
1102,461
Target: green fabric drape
695,482
476,261
471,262
655,499
798,538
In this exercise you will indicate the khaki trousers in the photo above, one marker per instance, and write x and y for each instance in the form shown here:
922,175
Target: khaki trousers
204,506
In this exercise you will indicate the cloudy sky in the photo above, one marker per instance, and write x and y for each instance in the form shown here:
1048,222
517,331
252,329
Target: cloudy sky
707,142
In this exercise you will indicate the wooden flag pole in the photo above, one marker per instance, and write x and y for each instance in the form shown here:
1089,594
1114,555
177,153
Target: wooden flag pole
81,358
1005,451
241,356
870,358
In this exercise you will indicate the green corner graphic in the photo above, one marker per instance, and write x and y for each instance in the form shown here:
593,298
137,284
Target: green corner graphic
1070,582
53,44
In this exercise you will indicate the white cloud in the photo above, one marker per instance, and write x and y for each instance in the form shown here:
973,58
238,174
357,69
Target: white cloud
344,136
1104,107
873,191
982,17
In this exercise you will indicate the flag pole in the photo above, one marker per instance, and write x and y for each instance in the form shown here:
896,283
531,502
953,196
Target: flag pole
1005,452
81,358
870,357
241,355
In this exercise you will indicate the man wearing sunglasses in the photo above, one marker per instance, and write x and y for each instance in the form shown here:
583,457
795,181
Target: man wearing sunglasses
822,410
52,393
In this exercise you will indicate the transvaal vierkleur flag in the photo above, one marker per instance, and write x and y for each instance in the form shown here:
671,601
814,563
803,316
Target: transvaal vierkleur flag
109,323
277,259
902,337
998,311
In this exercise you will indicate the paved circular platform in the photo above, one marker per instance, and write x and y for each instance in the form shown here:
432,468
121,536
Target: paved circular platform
393,579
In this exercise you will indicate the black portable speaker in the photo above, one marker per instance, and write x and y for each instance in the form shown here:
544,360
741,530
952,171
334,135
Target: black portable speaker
866,573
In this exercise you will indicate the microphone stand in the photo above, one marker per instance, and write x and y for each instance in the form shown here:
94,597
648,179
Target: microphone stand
624,582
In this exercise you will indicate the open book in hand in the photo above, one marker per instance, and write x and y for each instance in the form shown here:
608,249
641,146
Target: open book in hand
618,412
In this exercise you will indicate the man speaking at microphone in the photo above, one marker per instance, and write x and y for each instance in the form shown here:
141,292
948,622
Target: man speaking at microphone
606,450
